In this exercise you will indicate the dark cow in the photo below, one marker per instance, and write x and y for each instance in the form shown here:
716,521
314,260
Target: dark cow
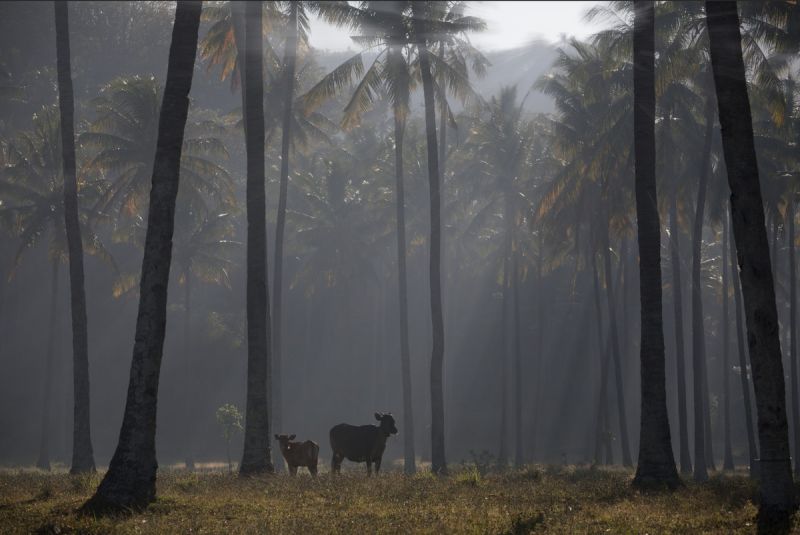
361,443
299,453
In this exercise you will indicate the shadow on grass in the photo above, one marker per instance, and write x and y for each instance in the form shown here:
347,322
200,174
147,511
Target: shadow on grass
734,491
523,525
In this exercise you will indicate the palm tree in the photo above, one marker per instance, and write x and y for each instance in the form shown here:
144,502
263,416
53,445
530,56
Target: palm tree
257,455
727,463
656,464
790,216
752,249
202,252
130,480
296,14
701,448
676,99
422,15
502,144
31,186
764,24
225,38
452,64
386,25
682,87
592,136
82,455
394,71
121,141
677,305
221,46
752,446
337,228
33,201
775,126
296,28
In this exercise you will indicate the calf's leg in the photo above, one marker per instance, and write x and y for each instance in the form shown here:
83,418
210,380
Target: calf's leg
369,468
377,465
293,469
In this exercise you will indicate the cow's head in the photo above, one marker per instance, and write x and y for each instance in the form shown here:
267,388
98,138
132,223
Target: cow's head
283,440
387,423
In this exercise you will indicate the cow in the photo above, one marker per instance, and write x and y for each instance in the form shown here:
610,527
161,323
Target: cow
299,453
362,443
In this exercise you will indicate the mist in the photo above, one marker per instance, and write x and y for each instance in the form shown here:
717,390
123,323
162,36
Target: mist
540,249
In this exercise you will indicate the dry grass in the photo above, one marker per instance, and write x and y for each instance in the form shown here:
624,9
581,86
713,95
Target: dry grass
535,499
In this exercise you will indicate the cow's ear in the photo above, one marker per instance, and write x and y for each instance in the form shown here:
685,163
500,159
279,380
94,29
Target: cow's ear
378,416
291,437
277,437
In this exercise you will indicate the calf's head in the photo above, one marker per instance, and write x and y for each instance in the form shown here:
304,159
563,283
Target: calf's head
283,440
386,423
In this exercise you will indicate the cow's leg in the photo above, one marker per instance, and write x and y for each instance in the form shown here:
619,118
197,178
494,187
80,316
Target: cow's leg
369,468
312,468
377,465
293,469
336,464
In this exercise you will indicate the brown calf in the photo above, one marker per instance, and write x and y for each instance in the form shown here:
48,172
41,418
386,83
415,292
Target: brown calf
299,453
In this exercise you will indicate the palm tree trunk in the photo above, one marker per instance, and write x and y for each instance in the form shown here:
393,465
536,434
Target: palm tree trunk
601,422
518,461
442,124
727,464
701,449
502,455
752,249
289,63
257,455
656,466
130,480
540,329
707,419
43,461
3,297
228,455
82,455
187,320
305,347
623,302
680,359
439,465
614,334
793,335
752,447
773,250
409,463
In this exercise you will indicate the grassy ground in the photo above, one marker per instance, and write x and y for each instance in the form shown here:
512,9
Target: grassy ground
535,499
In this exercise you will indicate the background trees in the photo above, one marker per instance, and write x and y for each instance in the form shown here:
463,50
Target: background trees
536,213
33,194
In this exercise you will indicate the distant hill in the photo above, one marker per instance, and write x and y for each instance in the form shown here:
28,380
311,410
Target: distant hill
520,66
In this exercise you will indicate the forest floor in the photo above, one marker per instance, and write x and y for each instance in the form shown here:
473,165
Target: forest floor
534,499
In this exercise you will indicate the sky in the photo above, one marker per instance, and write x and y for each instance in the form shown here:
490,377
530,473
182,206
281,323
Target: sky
510,24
